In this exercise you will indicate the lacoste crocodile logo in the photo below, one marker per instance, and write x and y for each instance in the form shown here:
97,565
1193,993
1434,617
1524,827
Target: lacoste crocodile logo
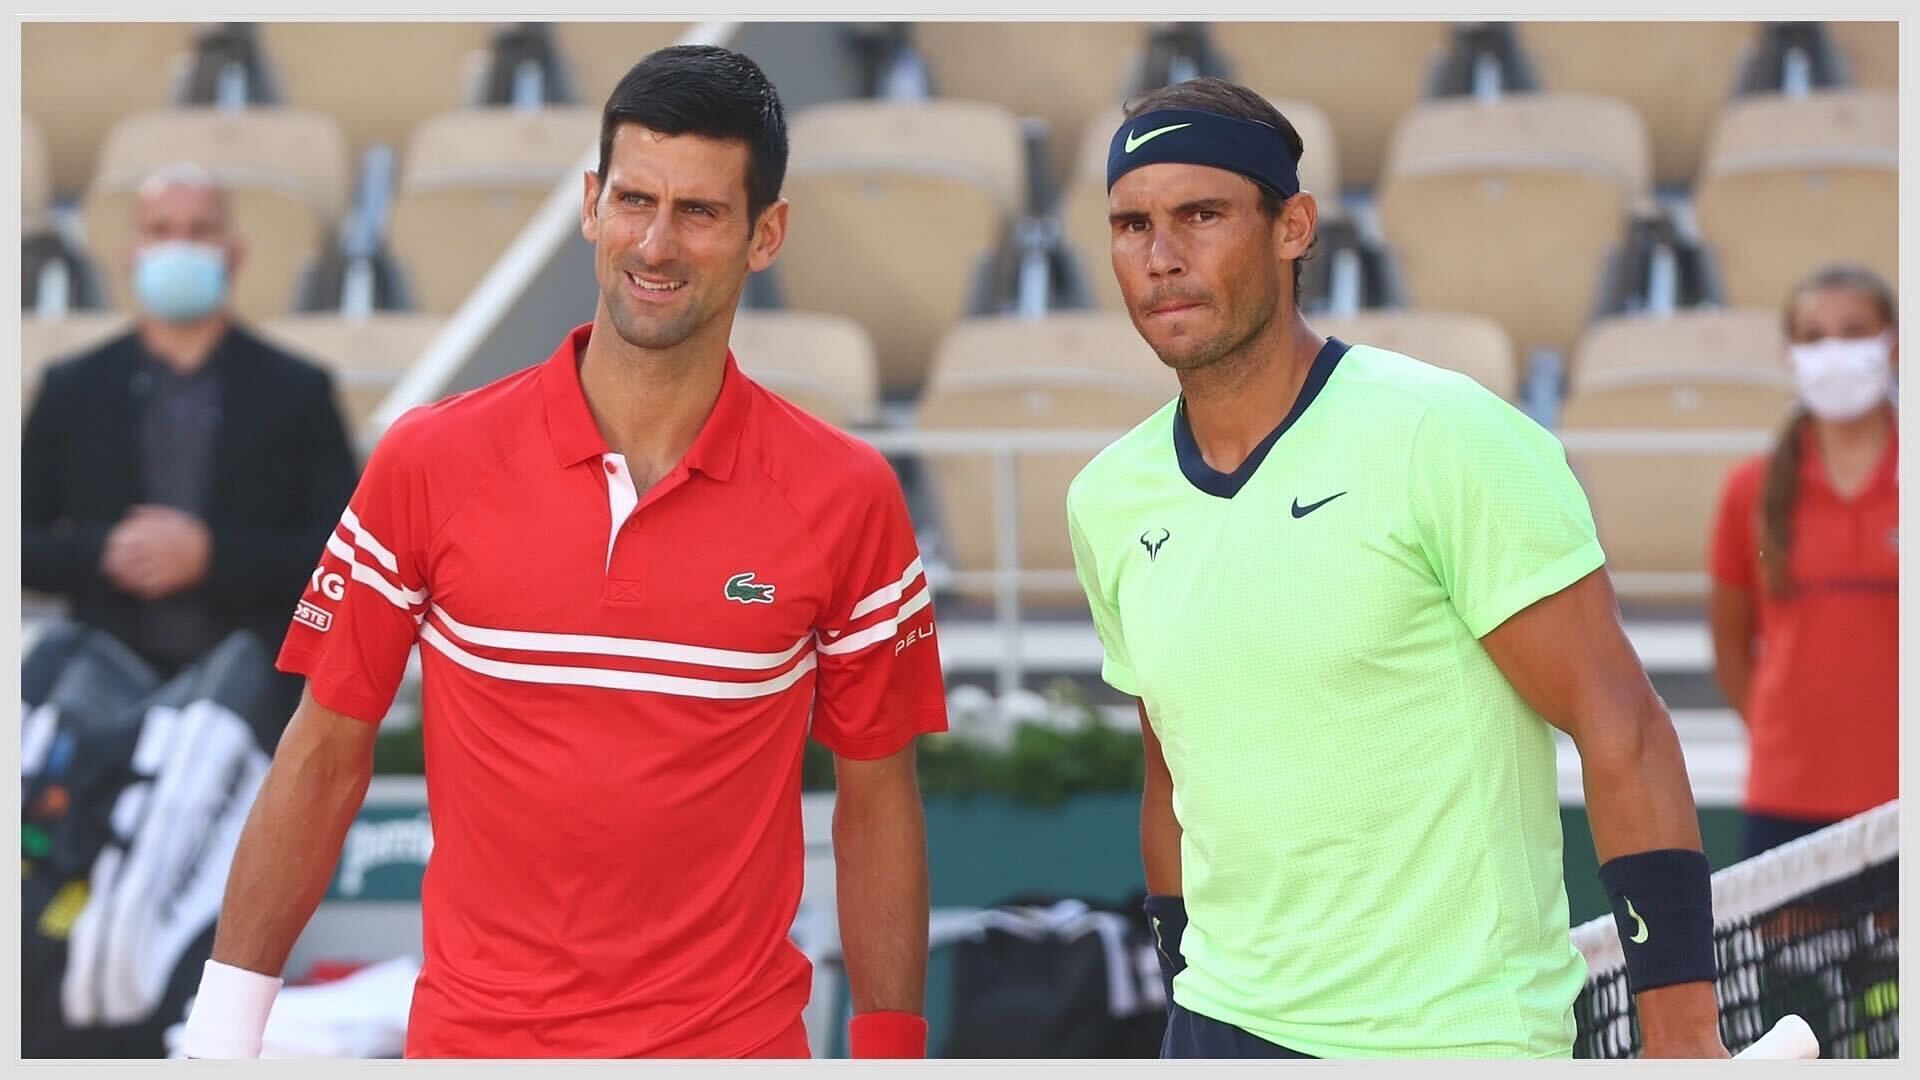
743,588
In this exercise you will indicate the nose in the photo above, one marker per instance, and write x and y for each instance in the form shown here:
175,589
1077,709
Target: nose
660,242
1164,257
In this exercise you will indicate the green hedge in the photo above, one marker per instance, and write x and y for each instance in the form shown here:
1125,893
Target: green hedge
1043,764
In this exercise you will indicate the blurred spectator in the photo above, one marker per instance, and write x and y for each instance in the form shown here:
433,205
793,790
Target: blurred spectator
179,482
1805,607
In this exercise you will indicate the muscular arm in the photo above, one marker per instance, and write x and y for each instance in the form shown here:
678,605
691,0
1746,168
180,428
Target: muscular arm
880,862
1568,656
293,835
1730,614
1159,830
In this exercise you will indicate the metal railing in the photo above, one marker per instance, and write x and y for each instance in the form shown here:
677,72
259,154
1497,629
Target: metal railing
1004,447
1008,578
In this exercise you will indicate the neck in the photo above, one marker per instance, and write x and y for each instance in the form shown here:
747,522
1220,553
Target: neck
650,404
1863,436
1236,401
183,347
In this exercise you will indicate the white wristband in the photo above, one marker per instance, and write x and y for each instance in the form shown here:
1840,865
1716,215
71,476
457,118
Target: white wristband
229,1018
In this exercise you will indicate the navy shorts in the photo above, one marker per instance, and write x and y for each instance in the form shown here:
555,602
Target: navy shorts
1190,1035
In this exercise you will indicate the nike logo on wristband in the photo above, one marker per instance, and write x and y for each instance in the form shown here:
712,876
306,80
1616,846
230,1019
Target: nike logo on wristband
1639,937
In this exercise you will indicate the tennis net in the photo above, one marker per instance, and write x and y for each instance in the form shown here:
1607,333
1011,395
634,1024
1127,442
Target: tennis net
1811,927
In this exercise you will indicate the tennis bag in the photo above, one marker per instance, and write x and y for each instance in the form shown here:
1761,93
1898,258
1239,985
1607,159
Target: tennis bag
133,795
1044,977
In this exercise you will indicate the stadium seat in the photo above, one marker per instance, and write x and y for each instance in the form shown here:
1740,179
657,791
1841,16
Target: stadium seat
1067,74
1791,183
1508,208
469,183
79,78
1363,74
1872,51
1083,203
1676,74
367,354
287,175
598,54
36,179
1701,340
1639,377
45,341
379,79
1705,396
1069,371
822,363
1471,344
895,205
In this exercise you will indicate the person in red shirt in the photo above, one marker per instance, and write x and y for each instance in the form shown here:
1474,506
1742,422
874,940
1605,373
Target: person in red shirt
639,582
1806,570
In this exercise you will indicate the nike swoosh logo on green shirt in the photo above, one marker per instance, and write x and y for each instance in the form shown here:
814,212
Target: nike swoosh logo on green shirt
1641,937
1135,143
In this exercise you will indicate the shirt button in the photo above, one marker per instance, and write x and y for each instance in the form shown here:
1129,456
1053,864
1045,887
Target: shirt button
612,469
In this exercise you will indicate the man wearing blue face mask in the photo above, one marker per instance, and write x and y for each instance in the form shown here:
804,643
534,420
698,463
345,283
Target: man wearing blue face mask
179,482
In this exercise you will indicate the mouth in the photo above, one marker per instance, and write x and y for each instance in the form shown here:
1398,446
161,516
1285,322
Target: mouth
650,286
1173,309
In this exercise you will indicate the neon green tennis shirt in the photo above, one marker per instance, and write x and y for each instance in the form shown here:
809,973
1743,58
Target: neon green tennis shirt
1370,847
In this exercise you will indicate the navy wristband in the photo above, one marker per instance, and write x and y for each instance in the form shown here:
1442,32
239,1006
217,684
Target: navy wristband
1662,905
1167,917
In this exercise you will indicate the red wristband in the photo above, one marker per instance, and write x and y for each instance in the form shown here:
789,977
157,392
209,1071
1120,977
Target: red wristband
887,1035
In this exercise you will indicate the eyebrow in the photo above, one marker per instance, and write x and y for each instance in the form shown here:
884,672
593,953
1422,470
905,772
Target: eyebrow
1214,203
1196,205
716,205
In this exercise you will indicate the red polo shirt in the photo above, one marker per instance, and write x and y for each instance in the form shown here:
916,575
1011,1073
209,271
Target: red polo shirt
1823,711
616,693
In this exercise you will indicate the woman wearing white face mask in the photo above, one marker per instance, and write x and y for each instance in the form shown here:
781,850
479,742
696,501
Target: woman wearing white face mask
1805,605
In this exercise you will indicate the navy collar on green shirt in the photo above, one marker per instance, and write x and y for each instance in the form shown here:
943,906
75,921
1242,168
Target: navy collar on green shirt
1226,485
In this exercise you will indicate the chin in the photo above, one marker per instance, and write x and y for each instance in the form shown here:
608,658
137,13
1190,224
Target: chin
652,335
653,330
1190,355
1179,351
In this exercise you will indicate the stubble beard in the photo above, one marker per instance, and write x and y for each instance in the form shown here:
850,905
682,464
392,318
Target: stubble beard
1227,343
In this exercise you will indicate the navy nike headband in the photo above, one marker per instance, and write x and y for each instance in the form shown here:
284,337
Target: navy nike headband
1195,137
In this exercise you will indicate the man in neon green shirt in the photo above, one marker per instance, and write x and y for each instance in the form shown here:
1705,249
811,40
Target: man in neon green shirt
1353,594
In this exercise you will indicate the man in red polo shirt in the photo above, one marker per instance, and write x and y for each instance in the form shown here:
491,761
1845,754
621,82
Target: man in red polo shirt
639,582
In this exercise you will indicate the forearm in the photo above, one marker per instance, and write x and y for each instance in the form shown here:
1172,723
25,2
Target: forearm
1735,675
286,856
1160,840
1635,778
880,858
1731,622
1640,799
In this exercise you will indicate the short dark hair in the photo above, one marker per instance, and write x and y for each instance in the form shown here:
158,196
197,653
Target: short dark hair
711,92
1231,99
